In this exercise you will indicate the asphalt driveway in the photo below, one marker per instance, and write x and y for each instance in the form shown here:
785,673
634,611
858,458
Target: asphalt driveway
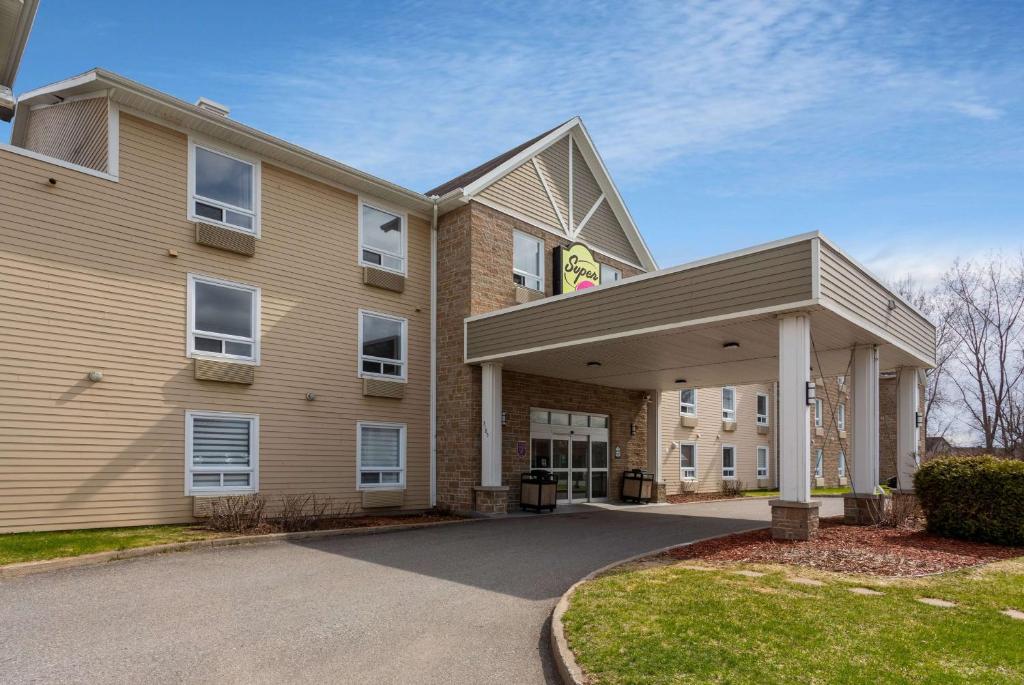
466,603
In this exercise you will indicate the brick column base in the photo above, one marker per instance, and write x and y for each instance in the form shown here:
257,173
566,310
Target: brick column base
863,510
794,520
490,499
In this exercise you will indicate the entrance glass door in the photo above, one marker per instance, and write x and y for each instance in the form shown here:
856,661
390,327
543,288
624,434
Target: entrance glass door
574,447
580,468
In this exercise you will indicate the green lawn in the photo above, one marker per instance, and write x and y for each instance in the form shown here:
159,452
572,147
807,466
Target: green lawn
670,624
18,547
814,491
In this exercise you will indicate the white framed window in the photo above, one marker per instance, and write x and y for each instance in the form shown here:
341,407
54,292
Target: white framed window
842,464
762,461
527,261
728,404
728,462
609,274
223,319
762,409
223,188
380,450
688,460
383,237
383,345
819,418
819,464
841,416
222,452
688,402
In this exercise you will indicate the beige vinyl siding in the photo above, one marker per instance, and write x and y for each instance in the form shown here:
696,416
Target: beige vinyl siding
74,132
773,277
585,189
86,283
605,233
845,284
554,167
710,438
521,191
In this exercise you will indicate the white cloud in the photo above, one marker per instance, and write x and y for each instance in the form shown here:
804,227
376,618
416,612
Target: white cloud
976,110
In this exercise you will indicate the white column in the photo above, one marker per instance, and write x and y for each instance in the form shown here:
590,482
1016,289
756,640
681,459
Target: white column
864,466
490,425
794,413
654,435
907,431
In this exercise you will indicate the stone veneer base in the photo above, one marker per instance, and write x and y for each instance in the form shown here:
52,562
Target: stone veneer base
490,499
863,510
794,520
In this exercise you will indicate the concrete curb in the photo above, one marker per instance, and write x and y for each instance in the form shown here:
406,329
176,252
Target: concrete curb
29,568
565,660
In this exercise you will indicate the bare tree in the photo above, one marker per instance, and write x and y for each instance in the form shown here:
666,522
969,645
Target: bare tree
986,301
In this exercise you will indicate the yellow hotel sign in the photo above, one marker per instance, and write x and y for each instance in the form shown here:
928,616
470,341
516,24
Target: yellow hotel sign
575,269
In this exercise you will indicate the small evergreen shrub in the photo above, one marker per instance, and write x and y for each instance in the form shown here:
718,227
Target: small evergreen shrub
973,498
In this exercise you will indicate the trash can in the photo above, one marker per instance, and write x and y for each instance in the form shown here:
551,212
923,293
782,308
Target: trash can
637,486
538,490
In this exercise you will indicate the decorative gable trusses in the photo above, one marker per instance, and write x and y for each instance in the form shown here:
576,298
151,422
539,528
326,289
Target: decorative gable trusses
559,183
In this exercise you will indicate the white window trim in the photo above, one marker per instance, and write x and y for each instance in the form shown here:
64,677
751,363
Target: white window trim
524,274
682,470
254,454
400,485
256,195
735,401
767,461
763,419
734,465
819,463
819,409
684,413
404,216
841,416
191,332
405,348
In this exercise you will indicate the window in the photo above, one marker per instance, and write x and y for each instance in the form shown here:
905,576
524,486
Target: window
688,402
819,464
842,464
841,381
819,418
223,319
222,452
609,274
841,417
381,450
762,409
382,238
688,460
527,261
382,345
728,461
728,404
762,462
223,189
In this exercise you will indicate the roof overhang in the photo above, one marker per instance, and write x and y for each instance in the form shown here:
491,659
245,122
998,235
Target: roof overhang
137,98
16,17
656,330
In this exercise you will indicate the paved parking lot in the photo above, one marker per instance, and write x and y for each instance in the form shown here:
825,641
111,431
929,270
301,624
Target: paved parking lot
466,603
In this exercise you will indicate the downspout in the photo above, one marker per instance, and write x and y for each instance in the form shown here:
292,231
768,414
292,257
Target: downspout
433,353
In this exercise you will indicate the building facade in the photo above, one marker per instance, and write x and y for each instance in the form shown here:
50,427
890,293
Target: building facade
192,309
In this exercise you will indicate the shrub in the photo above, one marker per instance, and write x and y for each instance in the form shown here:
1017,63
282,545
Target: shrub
240,514
974,498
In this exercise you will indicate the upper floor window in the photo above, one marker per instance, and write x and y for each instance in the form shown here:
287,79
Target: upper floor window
382,345
688,460
609,274
381,455
762,409
223,319
841,417
688,402
382,238
728,404
223,189
819,413
527,261
222,452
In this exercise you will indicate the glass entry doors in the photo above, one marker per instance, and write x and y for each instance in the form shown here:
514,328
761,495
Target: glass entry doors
575,448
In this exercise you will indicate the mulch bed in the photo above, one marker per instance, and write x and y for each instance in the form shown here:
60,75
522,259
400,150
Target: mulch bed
688,497
852,549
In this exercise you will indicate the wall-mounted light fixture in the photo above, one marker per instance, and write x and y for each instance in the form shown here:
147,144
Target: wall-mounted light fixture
95,376
504,418
812,392
917,419
632,430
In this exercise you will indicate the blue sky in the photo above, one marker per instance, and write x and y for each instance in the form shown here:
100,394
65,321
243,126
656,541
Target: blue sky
896,128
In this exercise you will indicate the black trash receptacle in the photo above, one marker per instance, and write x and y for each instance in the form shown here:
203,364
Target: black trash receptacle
538,490
637,486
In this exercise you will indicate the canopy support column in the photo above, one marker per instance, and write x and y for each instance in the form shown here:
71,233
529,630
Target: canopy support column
864,506
490,497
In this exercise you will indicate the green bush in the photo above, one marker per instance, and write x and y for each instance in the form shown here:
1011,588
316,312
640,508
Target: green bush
973,498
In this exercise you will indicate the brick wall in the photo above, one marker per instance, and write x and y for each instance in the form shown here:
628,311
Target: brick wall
829,439
474,276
